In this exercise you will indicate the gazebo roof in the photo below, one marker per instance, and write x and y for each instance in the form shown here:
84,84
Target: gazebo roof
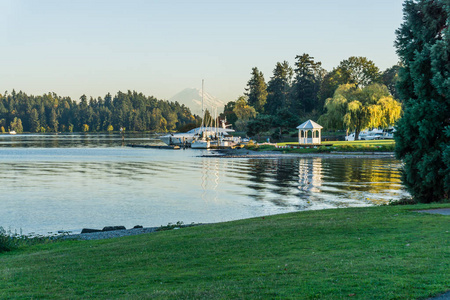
310,124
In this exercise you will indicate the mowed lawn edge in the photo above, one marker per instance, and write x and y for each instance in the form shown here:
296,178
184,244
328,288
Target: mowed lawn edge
386,252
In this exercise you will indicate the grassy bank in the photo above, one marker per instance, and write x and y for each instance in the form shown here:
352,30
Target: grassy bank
327,147
362,253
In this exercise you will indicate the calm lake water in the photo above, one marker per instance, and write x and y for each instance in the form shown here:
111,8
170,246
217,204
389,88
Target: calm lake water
70,181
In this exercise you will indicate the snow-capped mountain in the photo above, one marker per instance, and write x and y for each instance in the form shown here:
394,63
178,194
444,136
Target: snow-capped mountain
192,98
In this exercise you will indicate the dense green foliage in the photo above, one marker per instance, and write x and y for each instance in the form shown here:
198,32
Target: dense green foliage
359,71
243,113
358,108
423,135
390,80
53,113
306,85
278,88
354,70
10,241
387,252
257,90
293,96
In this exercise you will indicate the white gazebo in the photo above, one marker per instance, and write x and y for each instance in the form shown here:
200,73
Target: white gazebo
309,133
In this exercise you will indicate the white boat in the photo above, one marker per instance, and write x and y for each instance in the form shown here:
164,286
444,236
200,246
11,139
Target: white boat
389,133
202,137
374,134
203,141
180,139
12,132
201,144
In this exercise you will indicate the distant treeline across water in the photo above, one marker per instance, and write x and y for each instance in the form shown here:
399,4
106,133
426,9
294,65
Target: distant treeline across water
52,113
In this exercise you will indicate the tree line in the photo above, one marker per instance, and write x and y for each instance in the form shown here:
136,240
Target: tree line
52,113
354,95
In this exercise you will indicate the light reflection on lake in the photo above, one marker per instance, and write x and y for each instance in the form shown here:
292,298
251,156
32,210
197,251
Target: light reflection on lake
68,182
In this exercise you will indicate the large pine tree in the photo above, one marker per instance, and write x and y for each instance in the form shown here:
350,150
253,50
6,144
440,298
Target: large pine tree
423,135
308,76
278,88
256,90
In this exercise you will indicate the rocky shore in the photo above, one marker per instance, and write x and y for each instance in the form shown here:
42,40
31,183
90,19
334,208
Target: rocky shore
100,235
110,232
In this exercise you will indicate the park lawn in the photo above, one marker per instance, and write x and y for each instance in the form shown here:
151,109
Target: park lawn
353,143
362,143
386,252
332,146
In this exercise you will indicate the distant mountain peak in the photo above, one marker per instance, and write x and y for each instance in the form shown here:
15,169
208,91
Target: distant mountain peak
192,98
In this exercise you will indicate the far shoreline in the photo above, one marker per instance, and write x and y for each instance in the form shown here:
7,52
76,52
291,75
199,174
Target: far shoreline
246,153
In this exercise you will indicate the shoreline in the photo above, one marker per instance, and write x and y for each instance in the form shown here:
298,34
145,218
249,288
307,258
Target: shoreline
245,153
101,235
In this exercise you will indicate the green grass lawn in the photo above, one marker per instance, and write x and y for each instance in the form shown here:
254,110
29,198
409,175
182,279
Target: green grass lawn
387,252
363,143
337,146
353,143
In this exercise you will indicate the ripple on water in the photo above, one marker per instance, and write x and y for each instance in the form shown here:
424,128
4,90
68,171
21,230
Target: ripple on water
46,189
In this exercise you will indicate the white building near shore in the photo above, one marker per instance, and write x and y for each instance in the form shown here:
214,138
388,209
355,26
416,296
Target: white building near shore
309,133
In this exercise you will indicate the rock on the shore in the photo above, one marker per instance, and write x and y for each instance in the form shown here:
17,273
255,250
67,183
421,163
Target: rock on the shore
89,230
112,228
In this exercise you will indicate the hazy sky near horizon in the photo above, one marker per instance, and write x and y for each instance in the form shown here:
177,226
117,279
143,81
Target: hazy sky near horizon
159,48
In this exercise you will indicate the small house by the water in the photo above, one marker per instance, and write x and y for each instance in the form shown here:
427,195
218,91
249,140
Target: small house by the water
309,133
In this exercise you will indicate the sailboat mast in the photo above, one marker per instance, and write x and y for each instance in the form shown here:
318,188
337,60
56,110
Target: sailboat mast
203,113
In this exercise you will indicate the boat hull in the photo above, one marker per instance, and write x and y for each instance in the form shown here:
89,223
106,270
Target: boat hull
199,144
177,140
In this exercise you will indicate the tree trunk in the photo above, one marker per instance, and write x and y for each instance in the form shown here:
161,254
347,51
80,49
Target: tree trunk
357,131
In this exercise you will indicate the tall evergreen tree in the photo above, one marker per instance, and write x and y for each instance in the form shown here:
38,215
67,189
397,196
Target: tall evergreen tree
34,121
257,90
423,133
278,88
306,85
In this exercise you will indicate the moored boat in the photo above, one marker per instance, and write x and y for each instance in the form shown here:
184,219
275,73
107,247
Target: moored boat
186,138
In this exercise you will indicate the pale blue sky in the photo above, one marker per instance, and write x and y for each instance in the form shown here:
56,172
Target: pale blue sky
159,48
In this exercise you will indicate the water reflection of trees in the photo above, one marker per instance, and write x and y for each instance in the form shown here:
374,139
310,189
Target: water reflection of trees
373,175
285,182
74,140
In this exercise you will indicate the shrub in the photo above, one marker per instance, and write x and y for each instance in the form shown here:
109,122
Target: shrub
7,242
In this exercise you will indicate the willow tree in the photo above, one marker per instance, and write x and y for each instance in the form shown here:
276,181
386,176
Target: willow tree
423,133
360,71
356,108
